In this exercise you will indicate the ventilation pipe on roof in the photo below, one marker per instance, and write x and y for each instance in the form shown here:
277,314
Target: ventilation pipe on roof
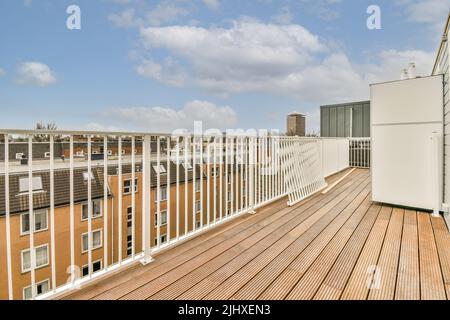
412,71
404,74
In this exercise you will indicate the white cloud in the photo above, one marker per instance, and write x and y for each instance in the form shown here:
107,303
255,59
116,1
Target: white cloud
163,12
35,73
284,16
242,58
429,12
123,19
2,72
285,60
163,119
391,63
212,4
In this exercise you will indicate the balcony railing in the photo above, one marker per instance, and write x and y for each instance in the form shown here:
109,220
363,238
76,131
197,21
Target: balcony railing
360,151
102,200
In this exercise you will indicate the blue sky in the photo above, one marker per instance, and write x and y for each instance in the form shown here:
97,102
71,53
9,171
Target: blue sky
159,65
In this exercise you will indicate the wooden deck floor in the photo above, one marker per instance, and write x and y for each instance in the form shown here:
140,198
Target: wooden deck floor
337,245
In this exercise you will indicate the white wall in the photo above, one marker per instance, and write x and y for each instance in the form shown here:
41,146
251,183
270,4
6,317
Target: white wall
442,67
335,155
405,116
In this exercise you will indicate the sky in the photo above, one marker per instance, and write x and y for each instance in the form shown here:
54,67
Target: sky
157,66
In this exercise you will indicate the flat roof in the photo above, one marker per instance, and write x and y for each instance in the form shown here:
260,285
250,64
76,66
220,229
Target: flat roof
345,104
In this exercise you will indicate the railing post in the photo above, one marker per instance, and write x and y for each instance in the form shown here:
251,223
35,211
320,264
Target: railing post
146,244
252,151
8,222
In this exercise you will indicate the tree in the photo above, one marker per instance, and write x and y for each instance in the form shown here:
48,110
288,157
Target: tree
40,126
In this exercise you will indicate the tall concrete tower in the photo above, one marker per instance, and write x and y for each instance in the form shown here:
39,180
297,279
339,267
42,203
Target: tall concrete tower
296,124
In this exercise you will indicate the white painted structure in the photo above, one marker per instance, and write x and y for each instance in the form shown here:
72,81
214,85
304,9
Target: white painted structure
407,131
441,66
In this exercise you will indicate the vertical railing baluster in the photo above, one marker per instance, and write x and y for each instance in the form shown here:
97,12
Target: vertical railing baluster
232,184
168,187
105,203
208,181
201,181
215,179
194,177
158,192
31,217
146,198
72,213
8,222
178,187
221,169
89,187
186,184
133,198
120,203
52,212
227,154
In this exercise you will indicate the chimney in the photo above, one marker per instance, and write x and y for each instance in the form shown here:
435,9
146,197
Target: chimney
404,75
412,71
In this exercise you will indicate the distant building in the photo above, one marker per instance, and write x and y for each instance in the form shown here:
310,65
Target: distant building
296,124
345,120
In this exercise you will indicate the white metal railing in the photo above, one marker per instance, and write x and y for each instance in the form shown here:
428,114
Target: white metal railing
154,191
360,152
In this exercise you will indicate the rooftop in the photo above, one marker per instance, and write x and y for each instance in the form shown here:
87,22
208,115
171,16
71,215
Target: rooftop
334,245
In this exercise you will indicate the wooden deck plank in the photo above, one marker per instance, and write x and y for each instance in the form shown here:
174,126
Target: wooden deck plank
249,250
389,257
366,270
442,237
319,249
334,283
304,287
408,280
149,284
431,282
274,264
299,262
188,250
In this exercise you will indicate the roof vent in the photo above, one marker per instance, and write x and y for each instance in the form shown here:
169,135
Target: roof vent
412,71
404,74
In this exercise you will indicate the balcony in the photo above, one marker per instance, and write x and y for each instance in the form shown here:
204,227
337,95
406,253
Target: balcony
150,216
337,245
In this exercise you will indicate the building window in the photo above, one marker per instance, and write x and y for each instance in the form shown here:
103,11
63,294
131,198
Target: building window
96,267
41,288
96,240
163,215
229,178
127,186
197,206
96,210
197,186
162,193
163,239
41,254
197,225
36,184
159,169
40,221
129,231
215,172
